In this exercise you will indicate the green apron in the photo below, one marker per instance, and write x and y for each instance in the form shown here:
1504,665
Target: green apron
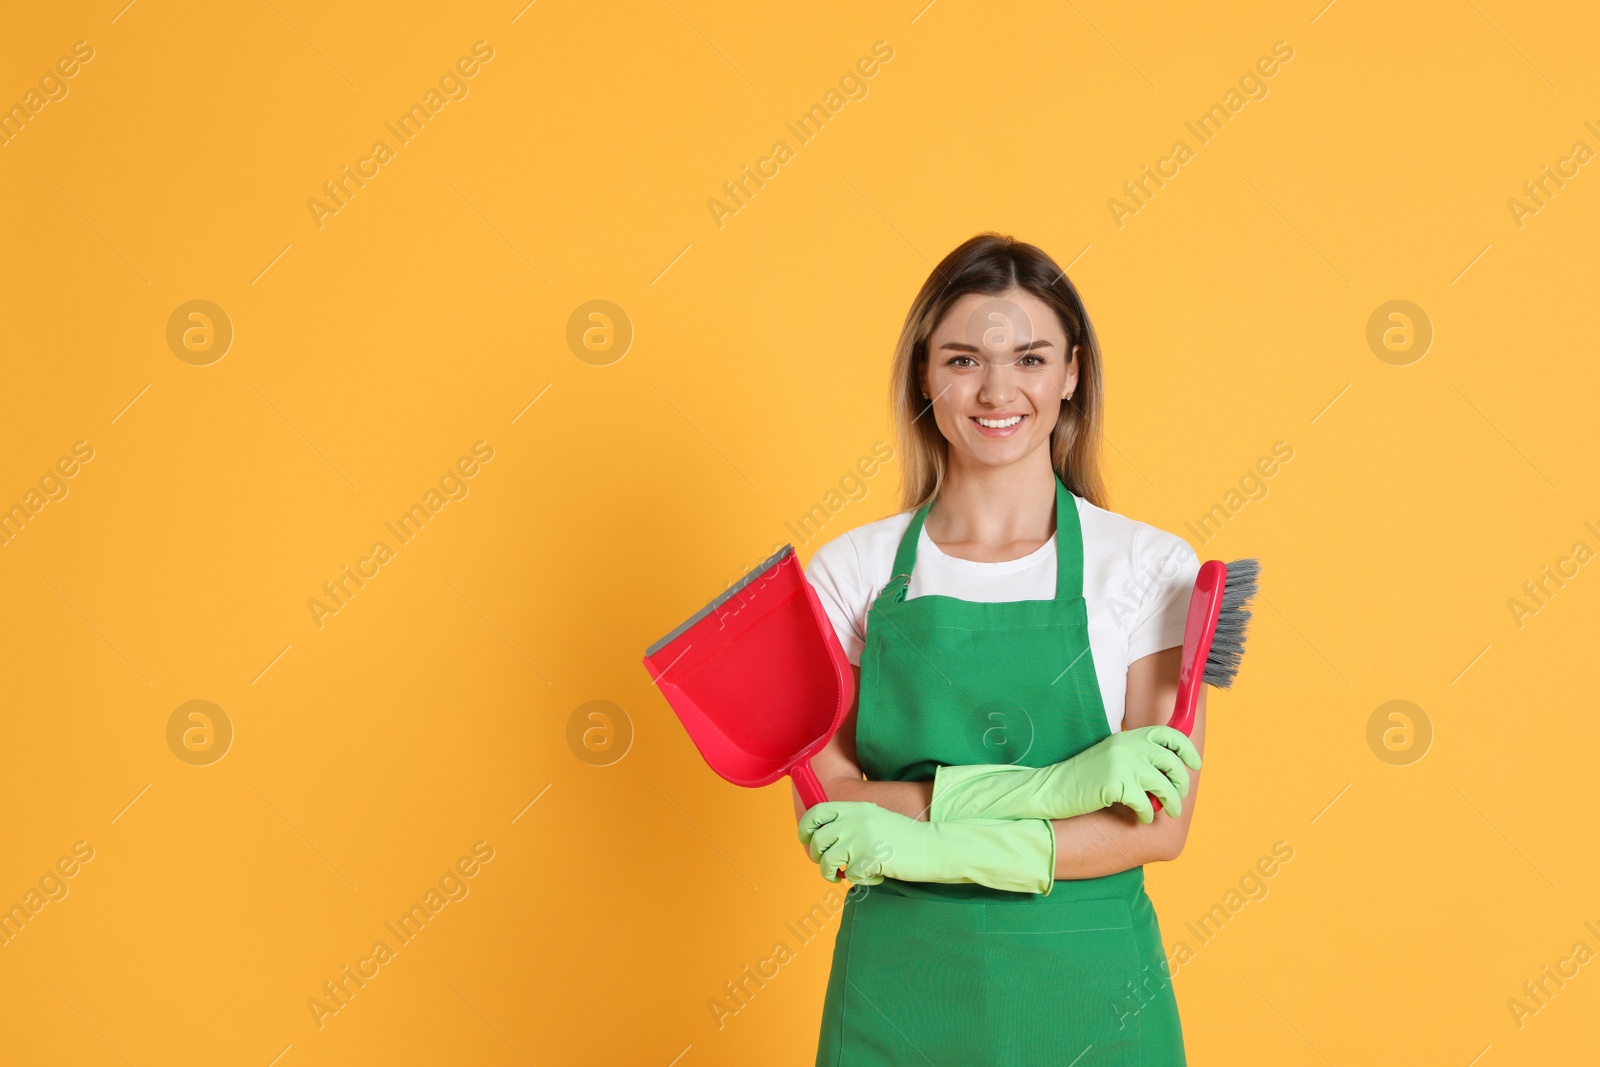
929,973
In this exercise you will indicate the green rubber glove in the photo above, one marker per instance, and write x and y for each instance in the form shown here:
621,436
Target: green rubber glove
873,843
1118,770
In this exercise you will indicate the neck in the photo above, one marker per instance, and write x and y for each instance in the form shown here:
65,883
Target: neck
995,506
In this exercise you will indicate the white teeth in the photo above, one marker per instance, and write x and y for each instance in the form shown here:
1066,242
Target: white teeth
1000,424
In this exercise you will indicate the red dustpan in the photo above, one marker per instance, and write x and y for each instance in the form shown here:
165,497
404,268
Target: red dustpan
758,678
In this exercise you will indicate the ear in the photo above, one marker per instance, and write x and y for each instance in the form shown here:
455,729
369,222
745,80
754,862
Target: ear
1071,384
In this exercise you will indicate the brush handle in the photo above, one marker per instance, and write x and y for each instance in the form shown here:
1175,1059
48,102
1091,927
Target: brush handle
1199,630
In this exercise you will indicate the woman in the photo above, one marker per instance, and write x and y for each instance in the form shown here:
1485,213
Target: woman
1017,649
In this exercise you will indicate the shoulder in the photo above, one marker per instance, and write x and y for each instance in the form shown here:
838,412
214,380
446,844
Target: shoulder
860,558
1137,544
1143,574
848,570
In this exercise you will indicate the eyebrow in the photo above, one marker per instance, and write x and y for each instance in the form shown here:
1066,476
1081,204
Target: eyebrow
959,346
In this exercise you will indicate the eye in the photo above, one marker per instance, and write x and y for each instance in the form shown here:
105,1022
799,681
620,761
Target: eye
952,360
1029,356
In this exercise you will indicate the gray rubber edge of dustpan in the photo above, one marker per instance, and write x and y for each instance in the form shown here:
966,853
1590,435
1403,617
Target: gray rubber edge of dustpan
732,591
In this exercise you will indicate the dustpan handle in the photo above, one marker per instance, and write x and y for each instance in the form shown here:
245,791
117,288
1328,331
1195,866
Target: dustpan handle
805,781
811,792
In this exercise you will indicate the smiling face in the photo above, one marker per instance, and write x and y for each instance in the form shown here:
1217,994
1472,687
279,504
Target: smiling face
997,371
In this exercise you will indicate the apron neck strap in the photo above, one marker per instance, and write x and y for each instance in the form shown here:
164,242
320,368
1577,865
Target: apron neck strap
1069,548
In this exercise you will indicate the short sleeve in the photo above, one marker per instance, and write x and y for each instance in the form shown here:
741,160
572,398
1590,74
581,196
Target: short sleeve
1166,569
835,572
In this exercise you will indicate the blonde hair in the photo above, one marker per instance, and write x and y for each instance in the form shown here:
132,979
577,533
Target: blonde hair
992,264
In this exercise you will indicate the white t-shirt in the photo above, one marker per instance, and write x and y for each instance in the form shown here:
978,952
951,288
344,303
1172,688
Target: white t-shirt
1137,581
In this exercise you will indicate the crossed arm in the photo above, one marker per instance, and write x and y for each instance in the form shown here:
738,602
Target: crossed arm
1087,846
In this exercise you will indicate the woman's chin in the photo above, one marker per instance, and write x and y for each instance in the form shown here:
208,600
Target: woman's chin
986,452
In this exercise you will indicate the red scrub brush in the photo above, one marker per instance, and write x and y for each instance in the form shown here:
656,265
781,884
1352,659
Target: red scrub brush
1213,636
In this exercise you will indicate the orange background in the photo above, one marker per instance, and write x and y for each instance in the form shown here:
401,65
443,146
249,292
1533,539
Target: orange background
434,709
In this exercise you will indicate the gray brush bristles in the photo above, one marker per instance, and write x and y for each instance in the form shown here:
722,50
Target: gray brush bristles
1222,662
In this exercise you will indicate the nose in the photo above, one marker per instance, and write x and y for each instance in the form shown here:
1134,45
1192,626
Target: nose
997,384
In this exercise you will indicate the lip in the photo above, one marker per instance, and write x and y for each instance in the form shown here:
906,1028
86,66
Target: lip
1009,431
